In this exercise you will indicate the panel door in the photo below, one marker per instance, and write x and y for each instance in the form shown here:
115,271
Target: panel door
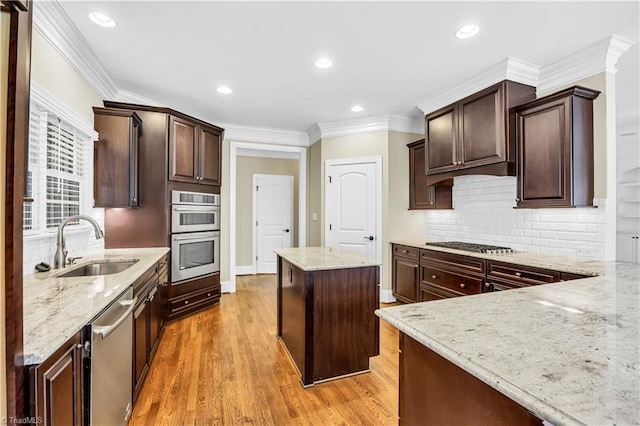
183,138
351,208
209,156
405,278
441,139
421,196
140,345
274,219
63,389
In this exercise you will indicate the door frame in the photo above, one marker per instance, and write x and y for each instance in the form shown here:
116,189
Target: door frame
377,161
269,150
254,215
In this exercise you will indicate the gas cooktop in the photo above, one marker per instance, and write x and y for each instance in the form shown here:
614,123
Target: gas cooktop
478,248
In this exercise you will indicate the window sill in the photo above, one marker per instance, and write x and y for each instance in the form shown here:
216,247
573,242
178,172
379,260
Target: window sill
44,235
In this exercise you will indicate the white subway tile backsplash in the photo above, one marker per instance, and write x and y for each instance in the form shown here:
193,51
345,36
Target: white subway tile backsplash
483,213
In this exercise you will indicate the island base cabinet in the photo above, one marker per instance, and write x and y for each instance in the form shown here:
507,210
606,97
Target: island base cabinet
434,391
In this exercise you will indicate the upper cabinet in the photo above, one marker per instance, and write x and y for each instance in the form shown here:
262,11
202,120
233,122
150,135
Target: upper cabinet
195,152
116,158
555,150
473,135
421,195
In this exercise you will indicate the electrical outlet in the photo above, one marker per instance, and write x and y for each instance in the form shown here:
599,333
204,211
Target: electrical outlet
585,252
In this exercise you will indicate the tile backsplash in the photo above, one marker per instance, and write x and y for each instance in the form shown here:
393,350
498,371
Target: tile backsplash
80,241
483,213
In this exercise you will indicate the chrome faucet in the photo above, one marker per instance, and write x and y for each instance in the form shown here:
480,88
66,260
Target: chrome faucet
60,258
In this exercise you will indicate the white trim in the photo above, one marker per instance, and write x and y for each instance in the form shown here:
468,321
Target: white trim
314,133
58,108
509,69
598,58
51,21
267,154
390,122
377,160
134,98
264,135
245,270
234,146
386,296
225,287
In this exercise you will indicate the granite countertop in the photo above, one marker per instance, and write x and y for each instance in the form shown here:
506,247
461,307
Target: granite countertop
322,258
57,308
538,260
568,352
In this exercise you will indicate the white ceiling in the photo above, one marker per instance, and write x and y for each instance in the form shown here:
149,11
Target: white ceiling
388,56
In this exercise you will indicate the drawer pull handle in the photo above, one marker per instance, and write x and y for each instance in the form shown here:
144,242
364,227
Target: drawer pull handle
518,274
434,277
186,302
462,285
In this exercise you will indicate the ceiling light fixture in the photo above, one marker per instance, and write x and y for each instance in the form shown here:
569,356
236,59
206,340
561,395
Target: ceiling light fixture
357,108
467,31
223,89
323,63
102,19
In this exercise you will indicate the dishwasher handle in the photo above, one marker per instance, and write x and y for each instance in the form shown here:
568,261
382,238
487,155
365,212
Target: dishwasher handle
105,331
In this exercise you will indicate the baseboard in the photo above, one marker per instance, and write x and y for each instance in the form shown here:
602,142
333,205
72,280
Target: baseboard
386,296
245,270
225,287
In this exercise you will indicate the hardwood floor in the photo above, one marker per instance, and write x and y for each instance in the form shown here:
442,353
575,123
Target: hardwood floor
225,366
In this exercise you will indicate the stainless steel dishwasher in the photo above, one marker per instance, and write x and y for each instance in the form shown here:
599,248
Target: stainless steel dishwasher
110,337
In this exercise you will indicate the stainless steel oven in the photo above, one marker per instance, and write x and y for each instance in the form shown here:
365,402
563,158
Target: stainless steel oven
194,212
194,254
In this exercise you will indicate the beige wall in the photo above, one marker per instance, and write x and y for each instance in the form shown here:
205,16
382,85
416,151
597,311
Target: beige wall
246,167
225,224
4,74
314,195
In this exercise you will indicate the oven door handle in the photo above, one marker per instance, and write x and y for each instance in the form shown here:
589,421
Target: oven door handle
196,209
195,237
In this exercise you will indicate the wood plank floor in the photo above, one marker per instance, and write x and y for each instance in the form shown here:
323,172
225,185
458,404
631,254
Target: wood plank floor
225,366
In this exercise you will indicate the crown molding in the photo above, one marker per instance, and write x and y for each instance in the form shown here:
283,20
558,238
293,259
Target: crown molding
509,69
240,133
314,133
282,155
51,21
406,123
598,58
391,122
129,97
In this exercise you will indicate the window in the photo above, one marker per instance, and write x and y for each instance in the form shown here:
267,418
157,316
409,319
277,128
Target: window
59,176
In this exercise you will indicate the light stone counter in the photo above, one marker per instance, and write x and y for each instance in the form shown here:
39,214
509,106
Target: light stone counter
539,260
57,308
321,258
568,352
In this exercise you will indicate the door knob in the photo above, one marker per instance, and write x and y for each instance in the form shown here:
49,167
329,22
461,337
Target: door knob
286,230
370,238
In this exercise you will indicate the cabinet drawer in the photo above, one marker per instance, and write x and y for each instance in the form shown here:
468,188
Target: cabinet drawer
453,282
453,262
406,251
430,292
195,300
522,275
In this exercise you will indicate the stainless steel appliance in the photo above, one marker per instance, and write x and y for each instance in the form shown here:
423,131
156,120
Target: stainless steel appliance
478,248
110,361
194,212
194,254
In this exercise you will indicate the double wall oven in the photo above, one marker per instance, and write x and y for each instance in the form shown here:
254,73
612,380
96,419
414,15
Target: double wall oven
195,235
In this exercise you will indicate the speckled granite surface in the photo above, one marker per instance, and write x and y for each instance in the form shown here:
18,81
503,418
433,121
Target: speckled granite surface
319,258
57,308
569,351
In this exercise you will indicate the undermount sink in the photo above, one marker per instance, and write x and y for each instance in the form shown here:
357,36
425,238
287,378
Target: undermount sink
99,268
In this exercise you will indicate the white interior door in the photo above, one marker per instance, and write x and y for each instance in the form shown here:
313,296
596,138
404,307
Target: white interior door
273,213
352,204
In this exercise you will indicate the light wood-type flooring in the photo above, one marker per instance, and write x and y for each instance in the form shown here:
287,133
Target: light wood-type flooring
225,366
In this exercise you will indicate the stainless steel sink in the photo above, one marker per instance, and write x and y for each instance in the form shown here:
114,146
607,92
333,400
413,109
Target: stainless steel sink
99,268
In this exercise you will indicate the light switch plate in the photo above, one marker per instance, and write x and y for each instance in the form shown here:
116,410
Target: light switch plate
314,216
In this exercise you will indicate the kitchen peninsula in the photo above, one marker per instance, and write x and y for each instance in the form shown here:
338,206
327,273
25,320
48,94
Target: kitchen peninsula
326,304
565,352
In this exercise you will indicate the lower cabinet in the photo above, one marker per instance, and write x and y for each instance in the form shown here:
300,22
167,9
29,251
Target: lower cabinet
192,296
405,272
55,387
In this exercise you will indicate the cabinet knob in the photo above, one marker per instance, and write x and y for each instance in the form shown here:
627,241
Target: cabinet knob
462,285
405,251
518,274
487,285
186,302
434,277
208,294
517,200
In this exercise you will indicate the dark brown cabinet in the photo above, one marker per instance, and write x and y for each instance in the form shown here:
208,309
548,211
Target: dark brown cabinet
421,195
473,136
56,385
555,150
195,152
449,275
405,273
505,276
116,167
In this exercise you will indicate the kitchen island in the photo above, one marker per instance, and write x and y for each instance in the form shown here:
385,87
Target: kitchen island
326,304
567,353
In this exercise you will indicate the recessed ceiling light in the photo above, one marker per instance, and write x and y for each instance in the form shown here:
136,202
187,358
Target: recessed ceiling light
224,89
102,19
467,31
357,108
323,63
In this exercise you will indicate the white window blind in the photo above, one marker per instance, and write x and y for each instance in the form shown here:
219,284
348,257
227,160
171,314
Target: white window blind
58,176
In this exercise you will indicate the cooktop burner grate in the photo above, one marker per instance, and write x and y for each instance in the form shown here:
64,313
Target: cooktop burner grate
478,248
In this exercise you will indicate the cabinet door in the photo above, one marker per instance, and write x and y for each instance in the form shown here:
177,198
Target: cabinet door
155,319
441,138
140,346
57,385
134,164
421,196
544,159
482,128
209,156
183,150
627,248
405,279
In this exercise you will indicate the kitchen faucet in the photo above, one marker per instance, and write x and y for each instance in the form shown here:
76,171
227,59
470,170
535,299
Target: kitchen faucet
60,258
